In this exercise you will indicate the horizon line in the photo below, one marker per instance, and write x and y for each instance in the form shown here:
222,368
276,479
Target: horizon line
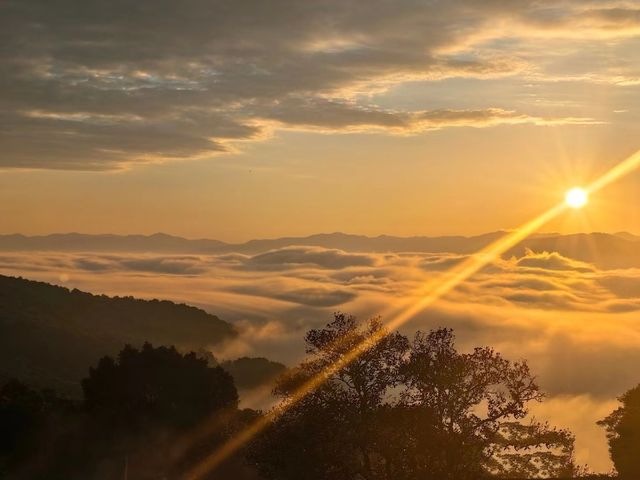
318,234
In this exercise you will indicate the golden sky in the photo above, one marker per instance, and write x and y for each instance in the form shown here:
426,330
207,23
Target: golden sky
251,119
243,121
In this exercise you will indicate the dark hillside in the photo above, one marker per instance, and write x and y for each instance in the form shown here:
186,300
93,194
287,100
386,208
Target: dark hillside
49,335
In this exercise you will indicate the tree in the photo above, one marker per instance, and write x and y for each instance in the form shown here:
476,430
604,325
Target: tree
139,404
468,396
156,385
35,427
408,411
153,412
532,450
331,432
459,417
22,411
623,433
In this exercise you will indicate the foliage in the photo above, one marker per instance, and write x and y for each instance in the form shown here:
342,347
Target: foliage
329,434
402,410
153,385
408,410
146,399
533,450
623,433
29,420
152,411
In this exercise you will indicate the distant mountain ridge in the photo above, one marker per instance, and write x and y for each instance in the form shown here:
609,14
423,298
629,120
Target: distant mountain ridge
158,242
164,243
617,250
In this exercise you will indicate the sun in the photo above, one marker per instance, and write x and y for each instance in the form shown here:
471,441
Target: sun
576,197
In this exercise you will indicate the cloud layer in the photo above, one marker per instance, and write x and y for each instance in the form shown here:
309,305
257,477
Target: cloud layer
576,323
96,86
555,303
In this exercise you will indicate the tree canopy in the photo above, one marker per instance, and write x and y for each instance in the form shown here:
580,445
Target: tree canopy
408,410
404,409
153,385
623,432
152,412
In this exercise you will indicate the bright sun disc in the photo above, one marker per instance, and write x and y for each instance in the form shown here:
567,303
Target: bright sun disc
576,197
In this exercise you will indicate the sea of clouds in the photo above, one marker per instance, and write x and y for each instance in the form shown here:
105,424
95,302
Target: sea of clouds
577,324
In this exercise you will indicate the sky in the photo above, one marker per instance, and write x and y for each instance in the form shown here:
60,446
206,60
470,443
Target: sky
251,119
240,120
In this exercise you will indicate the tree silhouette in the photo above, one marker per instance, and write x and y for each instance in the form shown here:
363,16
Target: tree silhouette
156,385
152,412
533,450
140,403
451,387
414,411
37,430
329,434
402,410
623,433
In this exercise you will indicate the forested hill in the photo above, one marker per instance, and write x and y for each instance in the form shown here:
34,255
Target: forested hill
50,335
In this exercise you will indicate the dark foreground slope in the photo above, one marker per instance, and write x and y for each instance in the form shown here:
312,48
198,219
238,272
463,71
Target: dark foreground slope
50,335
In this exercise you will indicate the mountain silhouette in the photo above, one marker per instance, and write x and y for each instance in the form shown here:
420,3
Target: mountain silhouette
602,249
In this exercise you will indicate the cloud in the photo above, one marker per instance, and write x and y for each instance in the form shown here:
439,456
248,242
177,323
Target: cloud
441,262
325,277
169,265
90,87
332,116
311,296
93,265
545,300
298,257
622,284
576,323
604,20
92,141
552,261
173,266
579,413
